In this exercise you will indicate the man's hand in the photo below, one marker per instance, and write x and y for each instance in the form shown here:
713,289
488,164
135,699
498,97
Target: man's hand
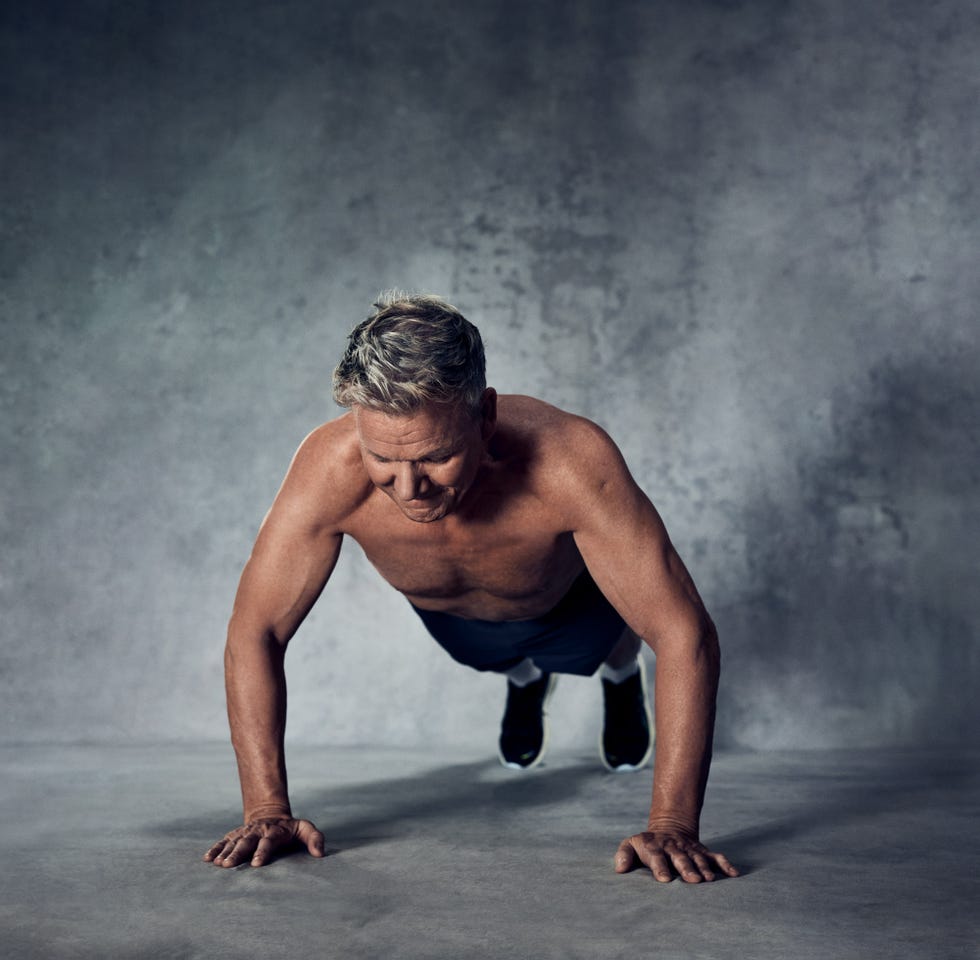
259,840
670,851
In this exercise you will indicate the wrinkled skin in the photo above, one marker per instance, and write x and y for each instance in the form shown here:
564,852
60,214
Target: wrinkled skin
259,841
670,852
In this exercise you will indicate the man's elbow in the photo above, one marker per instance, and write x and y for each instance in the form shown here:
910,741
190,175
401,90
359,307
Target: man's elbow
695,644
248,632
709,649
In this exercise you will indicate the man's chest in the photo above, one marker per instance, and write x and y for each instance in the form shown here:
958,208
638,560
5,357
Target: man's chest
515,551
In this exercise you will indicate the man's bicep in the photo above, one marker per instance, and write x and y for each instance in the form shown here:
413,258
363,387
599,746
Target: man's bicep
292,559
283,577
628,551
300,538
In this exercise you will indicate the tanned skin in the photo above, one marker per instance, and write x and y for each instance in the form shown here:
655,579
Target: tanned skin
490,517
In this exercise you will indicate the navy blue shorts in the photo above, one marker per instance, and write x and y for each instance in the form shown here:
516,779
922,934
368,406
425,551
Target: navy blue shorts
574,637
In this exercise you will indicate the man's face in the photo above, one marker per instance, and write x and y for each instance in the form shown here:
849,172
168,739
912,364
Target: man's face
425,461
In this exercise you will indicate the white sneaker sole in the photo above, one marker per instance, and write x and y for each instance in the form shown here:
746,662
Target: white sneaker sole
552,683
633,767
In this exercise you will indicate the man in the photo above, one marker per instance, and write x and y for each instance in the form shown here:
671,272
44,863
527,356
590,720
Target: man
518,535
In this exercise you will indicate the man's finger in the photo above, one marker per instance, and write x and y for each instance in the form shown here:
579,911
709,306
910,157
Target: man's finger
684,867
724,865
226,849
625,858
213,850
704,865
314,843
263,852
242,851
659,867
226,857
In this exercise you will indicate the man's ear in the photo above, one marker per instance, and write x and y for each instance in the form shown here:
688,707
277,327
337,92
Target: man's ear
488,414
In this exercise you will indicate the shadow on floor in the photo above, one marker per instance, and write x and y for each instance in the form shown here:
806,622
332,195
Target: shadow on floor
900,782
477,790
803,799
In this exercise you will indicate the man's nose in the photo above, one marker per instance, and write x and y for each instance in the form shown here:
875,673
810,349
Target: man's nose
410,481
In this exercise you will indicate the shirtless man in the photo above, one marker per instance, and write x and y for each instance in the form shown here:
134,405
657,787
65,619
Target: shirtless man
519,537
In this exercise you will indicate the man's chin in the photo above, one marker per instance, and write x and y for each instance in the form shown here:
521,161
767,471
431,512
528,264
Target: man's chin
424,513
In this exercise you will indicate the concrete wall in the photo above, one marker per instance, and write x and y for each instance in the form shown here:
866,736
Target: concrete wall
741,236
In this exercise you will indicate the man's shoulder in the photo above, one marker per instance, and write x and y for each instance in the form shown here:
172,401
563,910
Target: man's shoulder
553,432
327,471
562,450
571,463
331,436
333,446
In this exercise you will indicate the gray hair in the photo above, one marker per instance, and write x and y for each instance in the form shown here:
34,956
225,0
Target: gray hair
412,350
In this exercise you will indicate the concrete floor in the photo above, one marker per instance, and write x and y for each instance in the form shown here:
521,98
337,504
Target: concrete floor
846,855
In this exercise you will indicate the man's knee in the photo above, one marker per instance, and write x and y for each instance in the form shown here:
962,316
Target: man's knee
626,650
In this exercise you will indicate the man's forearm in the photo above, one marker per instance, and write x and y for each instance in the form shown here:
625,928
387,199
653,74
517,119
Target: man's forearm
255,684
685,691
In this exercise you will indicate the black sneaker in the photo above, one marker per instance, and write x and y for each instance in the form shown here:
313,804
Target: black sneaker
627,738
524,728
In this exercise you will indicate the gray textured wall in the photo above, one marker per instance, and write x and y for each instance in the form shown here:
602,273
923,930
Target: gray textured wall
741,236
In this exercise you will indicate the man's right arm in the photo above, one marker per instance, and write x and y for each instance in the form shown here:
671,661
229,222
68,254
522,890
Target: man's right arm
294,555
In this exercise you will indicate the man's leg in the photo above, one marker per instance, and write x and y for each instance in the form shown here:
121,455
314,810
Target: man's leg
524,728
626,742
623,658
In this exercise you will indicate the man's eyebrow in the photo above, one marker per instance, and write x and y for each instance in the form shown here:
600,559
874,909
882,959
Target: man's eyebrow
440,453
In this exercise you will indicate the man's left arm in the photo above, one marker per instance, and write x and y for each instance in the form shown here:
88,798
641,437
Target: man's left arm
629,554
